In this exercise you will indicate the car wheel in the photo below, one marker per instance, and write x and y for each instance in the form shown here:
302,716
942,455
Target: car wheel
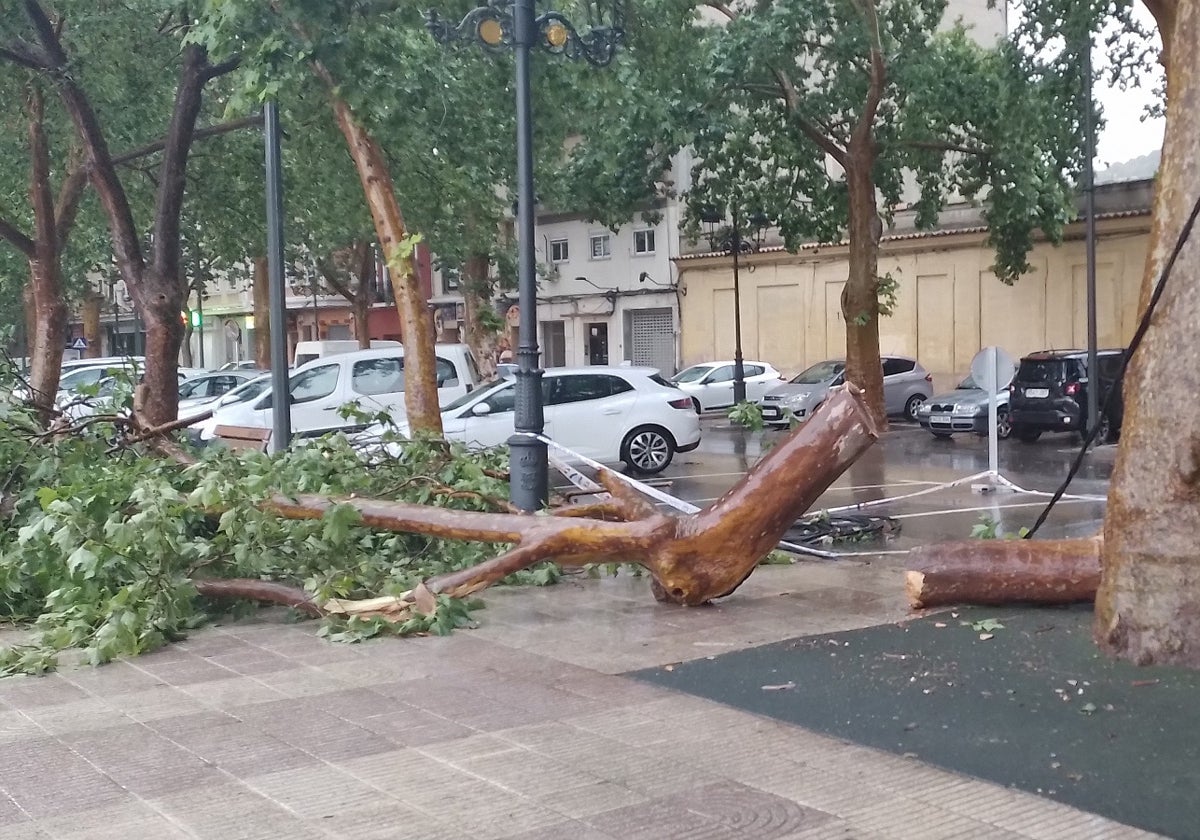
648,450
1003,426
1104,433
1027,435
910,407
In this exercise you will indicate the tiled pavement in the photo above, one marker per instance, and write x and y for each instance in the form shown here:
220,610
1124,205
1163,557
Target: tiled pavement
519,729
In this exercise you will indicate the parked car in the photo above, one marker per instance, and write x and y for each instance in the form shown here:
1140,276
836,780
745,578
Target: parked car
242,393
374,379
246,364
207,388
710,385
965,409
608,414
906,385
1049,393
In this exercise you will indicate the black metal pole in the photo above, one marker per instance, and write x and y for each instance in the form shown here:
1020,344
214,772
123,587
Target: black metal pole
116,324
1089,199
316,330
529,471
281,407
739,369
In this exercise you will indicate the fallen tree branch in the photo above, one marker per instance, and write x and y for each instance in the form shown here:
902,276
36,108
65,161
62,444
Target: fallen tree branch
692,559
260,590
1004,572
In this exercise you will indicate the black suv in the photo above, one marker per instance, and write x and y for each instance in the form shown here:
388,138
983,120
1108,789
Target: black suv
1049,394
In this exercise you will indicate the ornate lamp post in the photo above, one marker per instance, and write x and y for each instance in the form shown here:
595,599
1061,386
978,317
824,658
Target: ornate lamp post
514,24
758,223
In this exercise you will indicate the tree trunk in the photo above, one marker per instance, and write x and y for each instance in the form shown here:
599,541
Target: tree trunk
420,371
161,301
860,300
692,559
481,334
30,308
45,269
185,349
361,304
91,324
1148,605
261,292
1003,572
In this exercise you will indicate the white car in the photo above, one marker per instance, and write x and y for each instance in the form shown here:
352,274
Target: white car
710,384
209,387
608,414
373,379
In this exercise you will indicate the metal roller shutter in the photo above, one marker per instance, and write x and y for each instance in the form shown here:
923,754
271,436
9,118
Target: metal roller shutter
652,339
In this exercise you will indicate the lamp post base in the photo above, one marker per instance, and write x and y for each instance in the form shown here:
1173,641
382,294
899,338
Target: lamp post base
529,473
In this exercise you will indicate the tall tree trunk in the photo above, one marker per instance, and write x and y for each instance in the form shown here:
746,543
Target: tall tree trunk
91,324
261,292
161,302
30,308
481,334
420,371
50,320
361,303
1148,604
860,300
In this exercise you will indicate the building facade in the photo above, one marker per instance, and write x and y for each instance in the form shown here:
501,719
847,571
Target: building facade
949,303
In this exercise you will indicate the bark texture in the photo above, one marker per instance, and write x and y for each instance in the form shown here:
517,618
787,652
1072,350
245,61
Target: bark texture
261,292
1148,605
91,325
420,367
1003,572
692,559
45,267
481,337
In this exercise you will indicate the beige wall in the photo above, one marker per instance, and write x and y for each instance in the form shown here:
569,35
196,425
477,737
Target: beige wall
949,303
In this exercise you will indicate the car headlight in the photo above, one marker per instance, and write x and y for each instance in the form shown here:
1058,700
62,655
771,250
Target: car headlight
964,410
925,409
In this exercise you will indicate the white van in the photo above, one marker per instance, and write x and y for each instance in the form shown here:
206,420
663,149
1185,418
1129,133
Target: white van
374,379
310,351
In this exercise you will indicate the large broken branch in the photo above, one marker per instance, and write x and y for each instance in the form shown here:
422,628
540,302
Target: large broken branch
692,559
1004,572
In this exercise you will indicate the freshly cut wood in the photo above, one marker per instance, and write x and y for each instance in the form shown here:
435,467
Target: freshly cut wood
692,559
1004,572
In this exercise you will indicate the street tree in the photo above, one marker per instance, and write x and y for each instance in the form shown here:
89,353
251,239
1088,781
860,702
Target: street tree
46,40
1148,604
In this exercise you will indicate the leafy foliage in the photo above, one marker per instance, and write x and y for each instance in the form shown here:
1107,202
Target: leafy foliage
99,550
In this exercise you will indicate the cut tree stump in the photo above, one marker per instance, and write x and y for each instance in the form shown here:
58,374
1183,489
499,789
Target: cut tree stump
1003,572
692,559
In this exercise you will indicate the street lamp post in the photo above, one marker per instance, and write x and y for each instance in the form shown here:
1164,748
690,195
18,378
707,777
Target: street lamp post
758,223
514,24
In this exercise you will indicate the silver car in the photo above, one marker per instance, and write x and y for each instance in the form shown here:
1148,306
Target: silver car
965,410
710,384
906,385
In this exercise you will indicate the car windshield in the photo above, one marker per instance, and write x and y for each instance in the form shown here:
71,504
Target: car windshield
819,373
967,384
692,374
471,396
1040,371
246,392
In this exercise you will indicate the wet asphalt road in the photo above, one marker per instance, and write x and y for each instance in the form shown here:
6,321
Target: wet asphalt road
907,460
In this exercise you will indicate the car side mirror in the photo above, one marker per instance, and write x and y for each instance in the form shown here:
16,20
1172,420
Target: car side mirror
480,409
840,380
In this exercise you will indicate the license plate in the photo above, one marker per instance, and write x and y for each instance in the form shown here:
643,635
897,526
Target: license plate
770,413
1037,393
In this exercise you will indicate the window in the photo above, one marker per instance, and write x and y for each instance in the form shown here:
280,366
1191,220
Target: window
891,367
314,384
223,385
601,246
195,388
752,370
721,374
504,399
451,280
447,376
378,376
571,389
559,252
643,241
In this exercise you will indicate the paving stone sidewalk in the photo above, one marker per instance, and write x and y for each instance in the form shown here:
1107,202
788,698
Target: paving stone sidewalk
522,728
